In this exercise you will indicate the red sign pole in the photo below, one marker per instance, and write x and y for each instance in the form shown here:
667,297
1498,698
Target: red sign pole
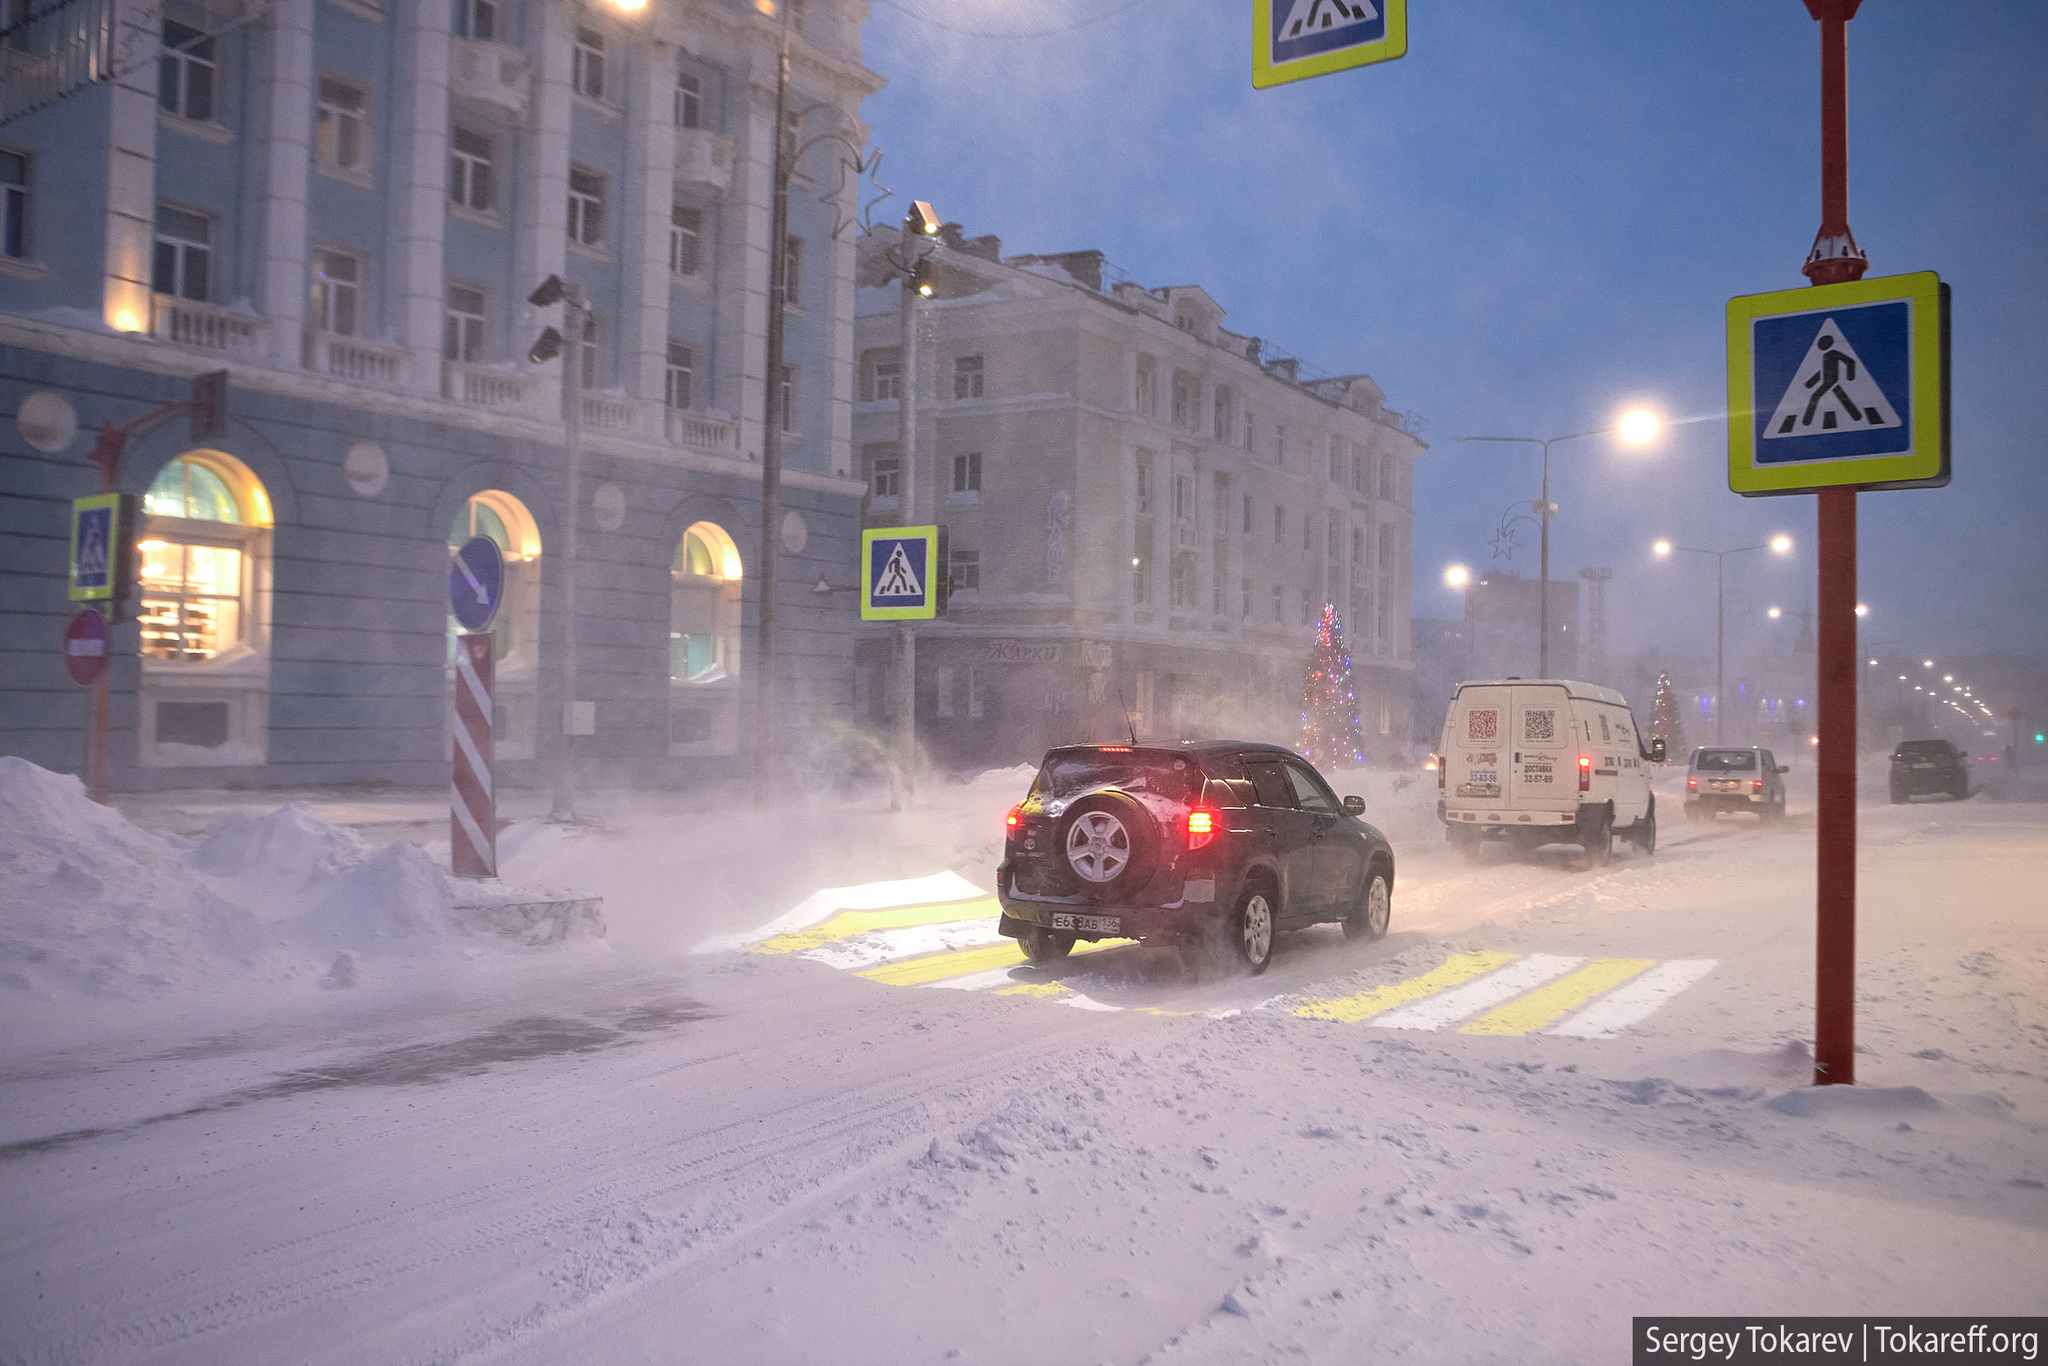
1835,258
472,804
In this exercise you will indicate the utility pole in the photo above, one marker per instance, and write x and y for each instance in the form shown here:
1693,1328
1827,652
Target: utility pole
576,322
772,416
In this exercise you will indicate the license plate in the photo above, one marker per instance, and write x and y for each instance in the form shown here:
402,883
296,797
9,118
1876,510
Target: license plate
1923,765
1087,924
1725,787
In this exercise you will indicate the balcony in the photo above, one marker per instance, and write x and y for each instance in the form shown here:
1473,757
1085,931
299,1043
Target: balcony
207,327
355,360
700,431
484,387
704,160
490,74
611,413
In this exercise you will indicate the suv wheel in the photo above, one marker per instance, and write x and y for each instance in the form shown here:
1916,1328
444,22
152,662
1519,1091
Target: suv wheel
1107,840
1251,930
1041,945
1368,919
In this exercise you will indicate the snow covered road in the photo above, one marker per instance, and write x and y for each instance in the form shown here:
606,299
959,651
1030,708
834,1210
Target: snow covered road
649,1155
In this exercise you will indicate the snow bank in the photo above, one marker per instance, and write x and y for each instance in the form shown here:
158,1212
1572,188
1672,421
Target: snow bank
92,904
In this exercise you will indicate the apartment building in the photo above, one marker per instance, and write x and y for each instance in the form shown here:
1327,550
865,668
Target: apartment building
346,204
1146,514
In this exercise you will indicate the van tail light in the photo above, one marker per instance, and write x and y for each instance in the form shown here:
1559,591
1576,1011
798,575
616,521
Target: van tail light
1585,772
1692,784
1439,772
1203,823
1756,784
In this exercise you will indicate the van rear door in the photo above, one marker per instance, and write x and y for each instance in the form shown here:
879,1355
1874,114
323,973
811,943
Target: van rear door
1544,751
1475,750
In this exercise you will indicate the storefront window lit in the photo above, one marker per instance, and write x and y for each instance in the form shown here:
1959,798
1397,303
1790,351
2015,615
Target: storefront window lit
191,600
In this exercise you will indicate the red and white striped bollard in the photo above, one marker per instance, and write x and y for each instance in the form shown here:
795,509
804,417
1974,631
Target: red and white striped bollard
472,805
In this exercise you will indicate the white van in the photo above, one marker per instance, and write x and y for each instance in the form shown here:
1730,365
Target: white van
1545,761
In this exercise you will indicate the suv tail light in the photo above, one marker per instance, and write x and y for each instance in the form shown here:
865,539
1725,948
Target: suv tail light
1756,784
1692,784
1585,772
1014,819
1203,823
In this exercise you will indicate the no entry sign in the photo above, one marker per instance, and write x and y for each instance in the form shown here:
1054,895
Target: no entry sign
85,647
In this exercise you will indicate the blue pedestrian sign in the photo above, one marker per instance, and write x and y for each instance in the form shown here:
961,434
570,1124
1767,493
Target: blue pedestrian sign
898,565
476,582
95,547
1293,40
1839,385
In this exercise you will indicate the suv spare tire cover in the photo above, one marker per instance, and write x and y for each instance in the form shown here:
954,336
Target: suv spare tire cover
1113,851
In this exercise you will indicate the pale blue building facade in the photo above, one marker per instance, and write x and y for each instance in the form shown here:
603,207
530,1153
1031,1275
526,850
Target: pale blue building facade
345,205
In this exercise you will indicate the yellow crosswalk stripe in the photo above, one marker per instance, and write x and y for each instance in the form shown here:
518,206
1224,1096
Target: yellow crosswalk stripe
1460,967
1559,998
917,971
847,924
1035,988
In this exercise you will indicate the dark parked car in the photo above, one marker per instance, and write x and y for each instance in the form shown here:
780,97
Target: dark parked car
1929,766
1224,840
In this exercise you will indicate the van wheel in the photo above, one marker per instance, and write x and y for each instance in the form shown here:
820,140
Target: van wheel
1599,842
1642,836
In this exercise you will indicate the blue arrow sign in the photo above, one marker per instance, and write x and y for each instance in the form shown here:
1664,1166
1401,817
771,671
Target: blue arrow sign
476,581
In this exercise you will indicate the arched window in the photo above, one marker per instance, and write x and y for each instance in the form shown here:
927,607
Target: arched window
515,630
704,642
203,602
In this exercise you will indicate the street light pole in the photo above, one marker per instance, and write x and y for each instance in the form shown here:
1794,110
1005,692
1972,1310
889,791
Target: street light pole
1780,544
576,319
906,497
772,415
1635,421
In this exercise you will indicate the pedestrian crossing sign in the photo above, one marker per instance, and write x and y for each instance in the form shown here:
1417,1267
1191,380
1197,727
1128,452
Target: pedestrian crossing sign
899,565
1839,385
1293,40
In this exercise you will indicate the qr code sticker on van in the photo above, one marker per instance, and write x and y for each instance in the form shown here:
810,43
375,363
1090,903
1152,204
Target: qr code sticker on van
1539,725
1482,725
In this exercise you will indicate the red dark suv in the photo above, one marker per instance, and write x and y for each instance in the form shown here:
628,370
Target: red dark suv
1212,839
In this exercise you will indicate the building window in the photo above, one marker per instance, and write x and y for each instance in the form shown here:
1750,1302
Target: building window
1183,498
1279,522
1308,611
967,473
1217,583
689,100
977,706
1308,533
13,204
786,398
883,472
1144,489
341,128
1387,479
1183,585
1247,514
1247,586
336,278
1336,539
184,82
1279,597
1336,461
963,570
1358,554
792,271
476,19
885,380
1248,431
586,64
1183,404
942,688
685,240
586,206
1280,445
197,583
1220,427
462,332
1358,459
589,351
678,375
1141,565
1145,396
470,181
184,254
967,377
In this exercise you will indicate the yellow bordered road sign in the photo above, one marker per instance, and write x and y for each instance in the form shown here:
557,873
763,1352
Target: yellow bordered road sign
1293,40
899,571
1839,385
95,546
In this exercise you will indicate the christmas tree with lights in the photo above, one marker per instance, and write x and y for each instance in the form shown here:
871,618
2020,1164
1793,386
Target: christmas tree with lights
1665,722
1330,732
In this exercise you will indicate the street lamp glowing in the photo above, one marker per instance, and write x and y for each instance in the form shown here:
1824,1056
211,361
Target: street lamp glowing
1638,426
1457,576
1927,663
1662,547
1781,544
630,5
1948,678
1774,614
1862,609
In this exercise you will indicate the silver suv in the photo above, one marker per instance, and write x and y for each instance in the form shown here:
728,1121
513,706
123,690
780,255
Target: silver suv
1729,778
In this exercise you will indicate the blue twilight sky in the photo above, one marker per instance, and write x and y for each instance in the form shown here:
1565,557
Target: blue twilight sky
1533,220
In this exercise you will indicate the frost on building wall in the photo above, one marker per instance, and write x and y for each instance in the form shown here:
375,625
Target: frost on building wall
345,204
1146,514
